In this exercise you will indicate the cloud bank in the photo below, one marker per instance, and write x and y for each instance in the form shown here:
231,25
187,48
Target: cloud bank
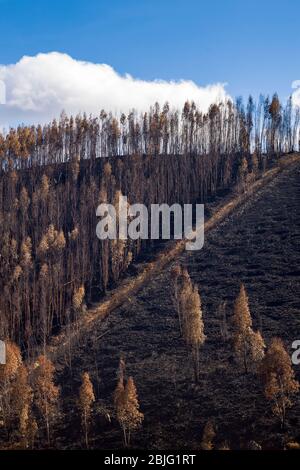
38,88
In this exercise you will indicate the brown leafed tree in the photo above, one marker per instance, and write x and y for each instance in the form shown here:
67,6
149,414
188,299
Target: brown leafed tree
13,362
28,427
23,425
249,345
46,393
127,406
194,328
86,400
279,379
78,297
21,398
8,373
191,318
208,436
241,313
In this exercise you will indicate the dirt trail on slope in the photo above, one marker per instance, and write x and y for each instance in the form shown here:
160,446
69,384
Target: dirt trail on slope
255,242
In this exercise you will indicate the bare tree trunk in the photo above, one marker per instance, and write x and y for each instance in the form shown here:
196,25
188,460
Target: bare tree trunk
86,430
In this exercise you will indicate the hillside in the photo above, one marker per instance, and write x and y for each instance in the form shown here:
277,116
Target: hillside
259,246
90,320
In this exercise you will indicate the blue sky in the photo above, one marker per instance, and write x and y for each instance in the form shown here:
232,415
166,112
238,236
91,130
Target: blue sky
251,45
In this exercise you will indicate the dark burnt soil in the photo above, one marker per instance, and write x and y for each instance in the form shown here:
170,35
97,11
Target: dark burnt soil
259,246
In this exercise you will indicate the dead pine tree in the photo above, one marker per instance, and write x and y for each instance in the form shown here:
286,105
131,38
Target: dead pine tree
86,400
249,345
278,379
127,406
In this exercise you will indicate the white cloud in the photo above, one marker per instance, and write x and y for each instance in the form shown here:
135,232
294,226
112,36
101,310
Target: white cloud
38,88
2,92
296,93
